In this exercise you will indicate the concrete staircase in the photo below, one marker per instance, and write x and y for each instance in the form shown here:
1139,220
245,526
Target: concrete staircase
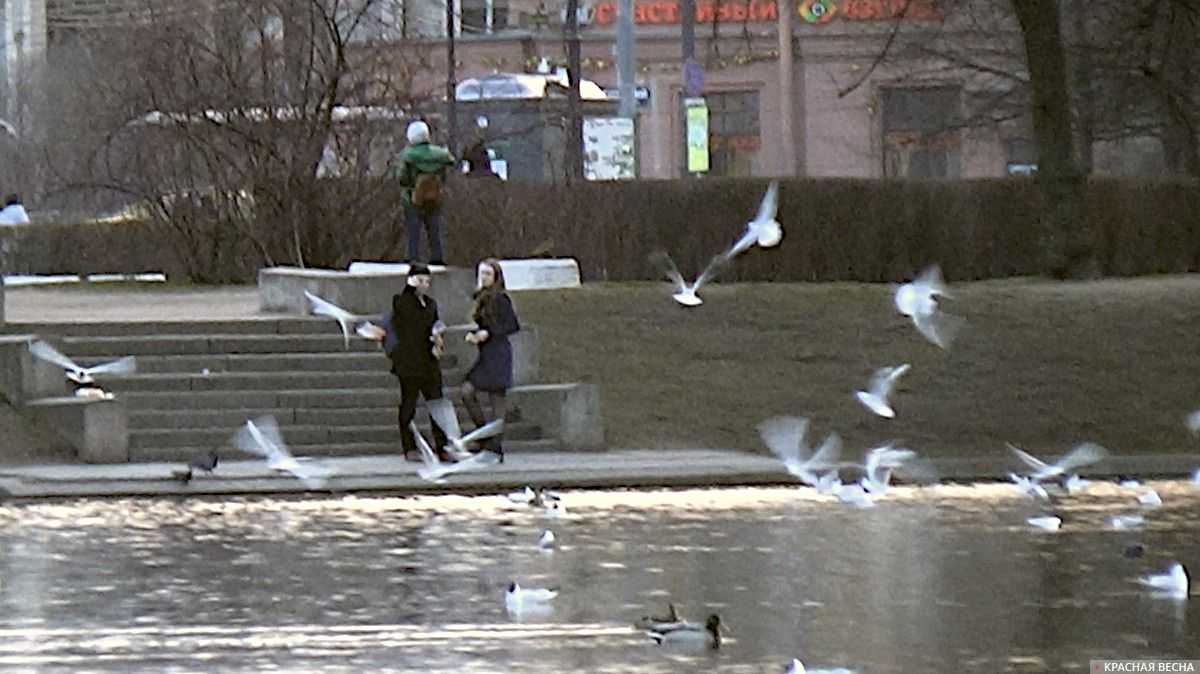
198,381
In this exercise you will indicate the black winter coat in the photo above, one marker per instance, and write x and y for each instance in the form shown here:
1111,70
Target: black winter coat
409,328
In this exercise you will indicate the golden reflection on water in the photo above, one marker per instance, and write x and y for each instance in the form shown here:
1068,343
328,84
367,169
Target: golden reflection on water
939,578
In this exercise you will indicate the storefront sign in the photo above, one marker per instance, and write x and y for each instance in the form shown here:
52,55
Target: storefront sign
697,134
811,11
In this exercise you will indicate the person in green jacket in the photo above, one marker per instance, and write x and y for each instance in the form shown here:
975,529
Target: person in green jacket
421,170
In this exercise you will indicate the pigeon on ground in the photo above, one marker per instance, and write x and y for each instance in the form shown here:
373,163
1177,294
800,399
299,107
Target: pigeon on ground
206,462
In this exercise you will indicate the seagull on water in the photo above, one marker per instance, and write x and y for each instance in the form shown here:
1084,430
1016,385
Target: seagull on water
1126,521
1149,498
76,372
546,542
797,667
880,388
518,599
784,436
362,325
1176,582
1028,487
1046,522
918,300
261,436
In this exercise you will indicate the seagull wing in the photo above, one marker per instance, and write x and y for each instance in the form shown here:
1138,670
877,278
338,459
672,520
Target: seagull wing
126,365
487,430
666,266
714,266
827,454
1193,422
48,353
769,206
784,436
1032,461
324,308
885,379
432,470
938,327
442,411
1084,454
930,281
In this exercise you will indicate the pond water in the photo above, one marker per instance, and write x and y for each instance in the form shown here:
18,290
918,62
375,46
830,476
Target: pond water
938,579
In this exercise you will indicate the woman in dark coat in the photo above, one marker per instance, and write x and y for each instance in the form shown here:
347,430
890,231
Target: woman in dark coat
492,373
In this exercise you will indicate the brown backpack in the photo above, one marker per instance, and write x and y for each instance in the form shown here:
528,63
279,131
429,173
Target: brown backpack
427,191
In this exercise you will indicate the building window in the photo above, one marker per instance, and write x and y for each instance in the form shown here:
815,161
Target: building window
484,16
921,137
1022,157
733,132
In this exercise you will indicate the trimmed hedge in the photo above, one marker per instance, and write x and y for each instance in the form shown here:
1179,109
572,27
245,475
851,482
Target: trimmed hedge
835,230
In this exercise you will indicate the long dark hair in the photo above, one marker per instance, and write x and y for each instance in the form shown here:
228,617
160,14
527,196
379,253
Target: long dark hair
485,298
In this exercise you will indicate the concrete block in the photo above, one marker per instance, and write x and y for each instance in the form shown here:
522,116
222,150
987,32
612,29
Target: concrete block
540,274
23,377
567,413
281,289
96,429
519,274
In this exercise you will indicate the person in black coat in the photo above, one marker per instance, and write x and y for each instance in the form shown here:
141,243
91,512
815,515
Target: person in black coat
492,372
414,346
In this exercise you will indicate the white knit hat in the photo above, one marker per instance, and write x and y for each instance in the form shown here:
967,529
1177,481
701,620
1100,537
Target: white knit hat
418,132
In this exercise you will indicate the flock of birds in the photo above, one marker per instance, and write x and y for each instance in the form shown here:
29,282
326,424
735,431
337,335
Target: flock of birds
786,437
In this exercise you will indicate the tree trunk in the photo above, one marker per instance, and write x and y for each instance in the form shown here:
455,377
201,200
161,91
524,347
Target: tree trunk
1066,240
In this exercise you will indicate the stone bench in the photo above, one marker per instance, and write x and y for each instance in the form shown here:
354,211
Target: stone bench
568,413
40,420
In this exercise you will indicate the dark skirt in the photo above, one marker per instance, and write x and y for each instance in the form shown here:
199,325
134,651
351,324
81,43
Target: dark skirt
493,368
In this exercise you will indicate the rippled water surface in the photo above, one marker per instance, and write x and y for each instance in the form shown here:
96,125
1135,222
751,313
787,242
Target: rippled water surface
943,579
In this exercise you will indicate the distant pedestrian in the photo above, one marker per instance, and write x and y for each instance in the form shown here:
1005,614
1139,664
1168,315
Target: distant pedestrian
421,170
414,346
479,162
492,372
13,212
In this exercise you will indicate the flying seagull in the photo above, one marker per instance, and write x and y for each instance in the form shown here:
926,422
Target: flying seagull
880,388
685,293
764,230
76,372
434,470
261,436
345,319
1083,454
784,436
1176,582
918,300
443,414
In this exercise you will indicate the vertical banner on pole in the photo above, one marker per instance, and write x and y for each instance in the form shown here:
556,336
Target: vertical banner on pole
697,134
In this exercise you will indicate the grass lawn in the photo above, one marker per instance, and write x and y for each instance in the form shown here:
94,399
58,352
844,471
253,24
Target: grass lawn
1041,364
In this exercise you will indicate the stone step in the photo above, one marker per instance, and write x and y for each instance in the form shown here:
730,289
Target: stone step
263,325
266,362
212,344
184,454
265,399
231,418
296,435
246,381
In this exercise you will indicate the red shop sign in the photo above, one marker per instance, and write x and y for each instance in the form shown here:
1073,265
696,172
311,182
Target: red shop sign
667,11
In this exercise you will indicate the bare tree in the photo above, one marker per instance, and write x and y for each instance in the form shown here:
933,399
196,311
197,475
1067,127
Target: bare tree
266,122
